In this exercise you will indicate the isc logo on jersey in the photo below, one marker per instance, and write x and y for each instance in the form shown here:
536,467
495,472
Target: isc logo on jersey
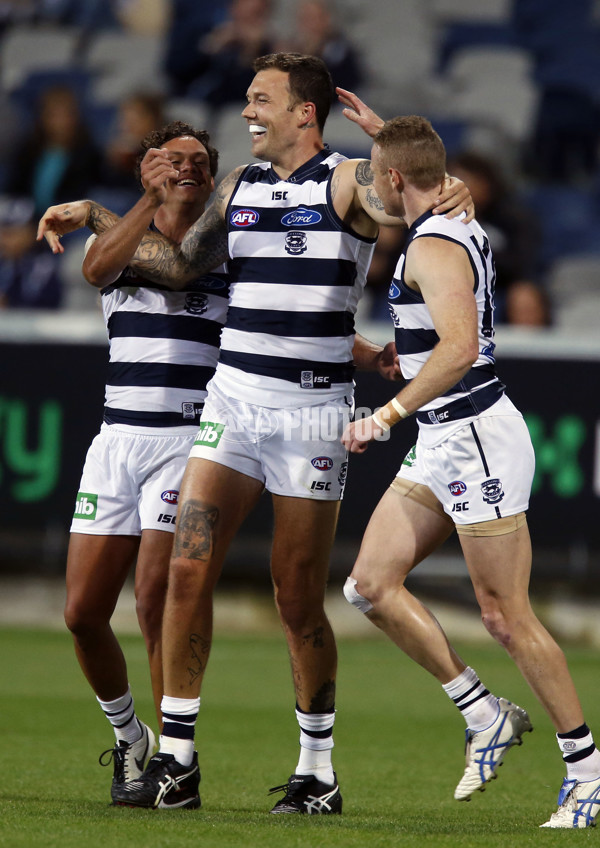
86,506
209,434
244,218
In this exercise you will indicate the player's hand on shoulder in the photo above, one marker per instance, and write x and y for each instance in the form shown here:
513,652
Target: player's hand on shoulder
455,198
61,219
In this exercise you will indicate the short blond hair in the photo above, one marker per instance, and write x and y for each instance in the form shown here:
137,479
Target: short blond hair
411,145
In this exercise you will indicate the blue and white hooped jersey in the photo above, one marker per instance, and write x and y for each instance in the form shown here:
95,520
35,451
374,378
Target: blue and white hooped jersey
415,333
164,347
297,273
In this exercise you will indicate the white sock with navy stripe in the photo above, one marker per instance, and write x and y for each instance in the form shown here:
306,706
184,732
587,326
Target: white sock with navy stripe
121,714
479,707
580,754
316,742
179,725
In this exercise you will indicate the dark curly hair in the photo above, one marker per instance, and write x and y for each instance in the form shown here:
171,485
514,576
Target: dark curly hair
176,129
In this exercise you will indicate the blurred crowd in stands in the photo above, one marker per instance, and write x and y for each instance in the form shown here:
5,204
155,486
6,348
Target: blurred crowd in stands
513,87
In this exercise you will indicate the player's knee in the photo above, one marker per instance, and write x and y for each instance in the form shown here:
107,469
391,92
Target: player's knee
355,598
496,625
82,621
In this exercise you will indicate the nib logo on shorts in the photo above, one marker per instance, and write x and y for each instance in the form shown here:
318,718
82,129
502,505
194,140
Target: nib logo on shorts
86,506
209,434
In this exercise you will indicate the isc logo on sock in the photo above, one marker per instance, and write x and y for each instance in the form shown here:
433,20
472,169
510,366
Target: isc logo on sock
86,506
209,434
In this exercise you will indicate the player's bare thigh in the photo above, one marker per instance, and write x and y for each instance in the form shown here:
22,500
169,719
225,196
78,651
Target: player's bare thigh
500,567
213,502
97,567
302,540
407,525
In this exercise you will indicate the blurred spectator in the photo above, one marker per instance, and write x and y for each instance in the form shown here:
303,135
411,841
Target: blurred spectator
317,32
191,22
87,14
527,305
143,17
514,233
138,115
564,42
58,160
29,274
220,69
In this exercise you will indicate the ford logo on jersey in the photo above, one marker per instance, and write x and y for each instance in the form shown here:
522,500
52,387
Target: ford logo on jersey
170,496
301,217
244,218
322,463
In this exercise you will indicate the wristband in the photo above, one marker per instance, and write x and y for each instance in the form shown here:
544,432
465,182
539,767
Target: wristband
380,423
399,408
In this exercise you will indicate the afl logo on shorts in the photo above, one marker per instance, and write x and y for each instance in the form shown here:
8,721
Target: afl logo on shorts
244,218
170,496
457,487
492,491
322,463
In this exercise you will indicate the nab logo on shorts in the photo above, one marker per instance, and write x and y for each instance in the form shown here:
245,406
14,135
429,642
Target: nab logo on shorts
209,434
244,218
86,506
457,487
170,496
322,463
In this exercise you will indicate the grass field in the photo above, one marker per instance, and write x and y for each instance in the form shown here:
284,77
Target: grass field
398,753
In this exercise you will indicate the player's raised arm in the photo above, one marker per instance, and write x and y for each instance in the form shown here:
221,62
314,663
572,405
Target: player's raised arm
454,199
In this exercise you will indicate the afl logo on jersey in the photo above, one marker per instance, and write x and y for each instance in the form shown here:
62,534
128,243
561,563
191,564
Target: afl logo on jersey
457,487
170,496
301,217
244,218
322,463
295,242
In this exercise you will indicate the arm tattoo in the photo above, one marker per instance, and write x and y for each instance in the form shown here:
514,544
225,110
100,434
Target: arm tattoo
99,219
199,647
364,173
206,242
194,538
373,200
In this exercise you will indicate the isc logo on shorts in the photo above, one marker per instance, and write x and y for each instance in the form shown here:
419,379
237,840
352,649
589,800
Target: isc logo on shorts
86,506
209,434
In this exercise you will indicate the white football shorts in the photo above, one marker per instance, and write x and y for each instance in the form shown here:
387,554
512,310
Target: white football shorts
130,481
293,452
481,472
